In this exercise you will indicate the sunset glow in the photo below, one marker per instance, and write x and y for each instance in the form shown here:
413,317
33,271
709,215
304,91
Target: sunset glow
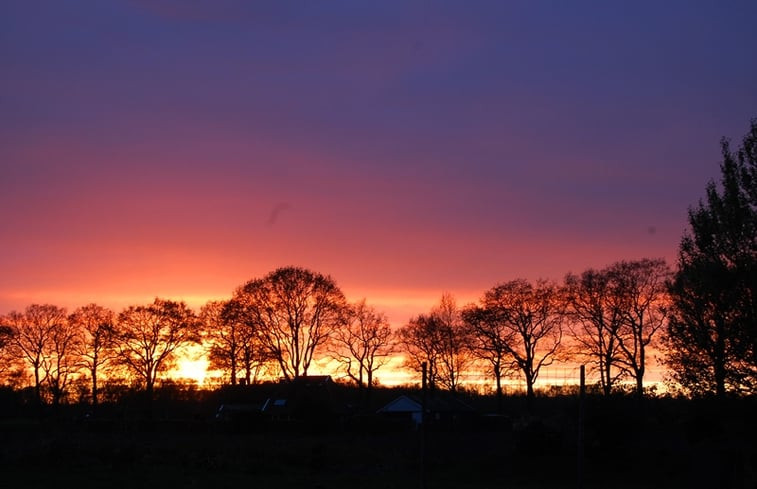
177,150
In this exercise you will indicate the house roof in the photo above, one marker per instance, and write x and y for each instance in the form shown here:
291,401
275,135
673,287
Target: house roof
436,403
302,396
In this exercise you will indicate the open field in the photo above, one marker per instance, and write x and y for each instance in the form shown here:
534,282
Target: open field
677,444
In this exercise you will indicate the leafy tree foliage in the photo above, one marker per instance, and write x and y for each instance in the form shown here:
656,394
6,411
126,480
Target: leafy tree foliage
712,335
293,312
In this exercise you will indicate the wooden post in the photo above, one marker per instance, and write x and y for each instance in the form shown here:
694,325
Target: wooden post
581,415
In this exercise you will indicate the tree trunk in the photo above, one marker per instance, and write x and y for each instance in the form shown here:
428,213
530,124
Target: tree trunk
719,362
368,389
640,383
529,385
640,371
94,387
607,388
498,378
37,386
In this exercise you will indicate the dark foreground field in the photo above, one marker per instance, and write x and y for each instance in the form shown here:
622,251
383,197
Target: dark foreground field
676,444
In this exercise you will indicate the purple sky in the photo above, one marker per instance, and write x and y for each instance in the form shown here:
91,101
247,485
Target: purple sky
178,148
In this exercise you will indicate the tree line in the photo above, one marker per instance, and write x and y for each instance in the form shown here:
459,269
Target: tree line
701,316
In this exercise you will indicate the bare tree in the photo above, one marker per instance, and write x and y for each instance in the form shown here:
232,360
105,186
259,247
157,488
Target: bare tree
364,345
220,338
534,315
31,337
254,358
148,337
231,343
294,312
5,334
453,343
6,360
61,360
97,346
642,289
418,341
596,312
440,340
490,338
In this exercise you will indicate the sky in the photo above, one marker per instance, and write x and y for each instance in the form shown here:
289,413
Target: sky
179,148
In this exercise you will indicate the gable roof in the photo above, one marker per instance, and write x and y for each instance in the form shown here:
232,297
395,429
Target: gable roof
402,404
436,403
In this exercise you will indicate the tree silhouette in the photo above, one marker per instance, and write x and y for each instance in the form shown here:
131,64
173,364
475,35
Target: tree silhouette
453,343
712,333
419,341
61,358
5,338
364,345
534,315
96,348
31,338
595,313
642,289
231,344
221,339
439,339
615,314
294,312
148,337
490,338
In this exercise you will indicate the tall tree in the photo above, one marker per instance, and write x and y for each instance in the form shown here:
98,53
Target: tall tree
453,343
364,345
148,337
294,312
6,360
418,341
32,334
533,314
596,314
61,358
490,338
96,349
231,343
221,338
254,359
642,289
440,340
712,333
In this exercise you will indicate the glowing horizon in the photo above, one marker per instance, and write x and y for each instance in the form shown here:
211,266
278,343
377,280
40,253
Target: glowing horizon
176,151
